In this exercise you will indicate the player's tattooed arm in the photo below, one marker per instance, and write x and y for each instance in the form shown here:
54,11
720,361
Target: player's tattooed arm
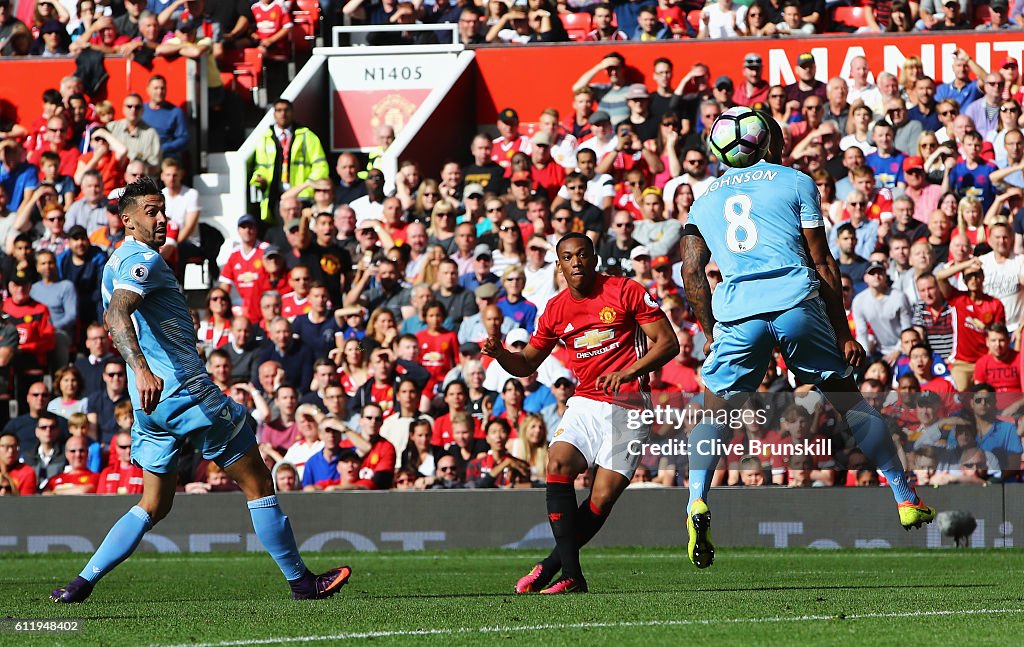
696,256
122,331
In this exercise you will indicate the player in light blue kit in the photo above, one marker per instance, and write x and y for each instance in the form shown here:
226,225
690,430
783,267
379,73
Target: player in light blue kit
175,401
780,287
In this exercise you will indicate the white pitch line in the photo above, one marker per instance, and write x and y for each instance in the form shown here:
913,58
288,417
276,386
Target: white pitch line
415,555
591,625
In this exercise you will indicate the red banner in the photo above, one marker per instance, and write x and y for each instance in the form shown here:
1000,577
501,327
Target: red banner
536,77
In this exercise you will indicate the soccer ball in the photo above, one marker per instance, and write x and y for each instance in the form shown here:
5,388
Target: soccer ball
739,137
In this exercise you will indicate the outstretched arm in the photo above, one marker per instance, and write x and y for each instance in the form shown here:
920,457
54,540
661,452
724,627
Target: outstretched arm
122,331
696,256
520,364
831,291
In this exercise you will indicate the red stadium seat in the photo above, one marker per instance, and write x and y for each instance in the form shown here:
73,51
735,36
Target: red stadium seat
528,128
305,27
849,16
694,18
307,5
577,25
248,72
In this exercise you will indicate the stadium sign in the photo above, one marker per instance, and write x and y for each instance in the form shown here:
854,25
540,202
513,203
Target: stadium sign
373,521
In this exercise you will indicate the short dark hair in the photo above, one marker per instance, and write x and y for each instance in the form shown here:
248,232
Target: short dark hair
922,345
999,328
140,188
575,235
846,228
436,304
113,361
53,97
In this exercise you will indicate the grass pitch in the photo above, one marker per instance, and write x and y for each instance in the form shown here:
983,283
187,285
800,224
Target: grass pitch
638,597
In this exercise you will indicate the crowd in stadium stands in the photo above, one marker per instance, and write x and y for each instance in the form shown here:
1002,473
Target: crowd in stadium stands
350,318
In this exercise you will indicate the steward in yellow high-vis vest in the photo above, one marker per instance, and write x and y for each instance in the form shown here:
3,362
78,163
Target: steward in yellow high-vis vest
277,168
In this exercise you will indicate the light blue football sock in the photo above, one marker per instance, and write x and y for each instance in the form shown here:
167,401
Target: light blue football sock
704,454
275,532
872,436
120,542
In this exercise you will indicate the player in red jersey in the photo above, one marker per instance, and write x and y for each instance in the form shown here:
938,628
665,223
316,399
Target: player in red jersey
606,323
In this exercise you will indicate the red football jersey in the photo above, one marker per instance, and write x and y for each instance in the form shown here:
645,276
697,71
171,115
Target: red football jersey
270,18
292,306
245,271
602,332
437,353
74,478
120,480
381,458
442,432
503,149
969,322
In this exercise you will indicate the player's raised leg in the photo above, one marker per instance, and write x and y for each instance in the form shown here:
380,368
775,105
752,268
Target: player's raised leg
872,436
808,342
275,531
124,537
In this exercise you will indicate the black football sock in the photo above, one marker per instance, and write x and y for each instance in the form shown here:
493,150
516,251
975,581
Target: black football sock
588,523
562,514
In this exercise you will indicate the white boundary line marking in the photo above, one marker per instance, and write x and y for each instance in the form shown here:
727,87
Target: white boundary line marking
873,553
591,625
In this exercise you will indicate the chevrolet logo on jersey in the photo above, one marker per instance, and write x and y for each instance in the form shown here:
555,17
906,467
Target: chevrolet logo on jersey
593,339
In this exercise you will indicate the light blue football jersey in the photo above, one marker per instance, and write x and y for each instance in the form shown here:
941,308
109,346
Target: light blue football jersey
163,322
751,220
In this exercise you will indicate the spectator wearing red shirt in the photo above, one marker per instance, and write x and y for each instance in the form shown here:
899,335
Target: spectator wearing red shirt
377,471
244,267
36,334
437,345
972,312
456,397
123,477
22,475
509,141
296,302
497,468
347,477
753,89
273,24
76,477
108,156
999,366
546,173
921,364
55,139
683,369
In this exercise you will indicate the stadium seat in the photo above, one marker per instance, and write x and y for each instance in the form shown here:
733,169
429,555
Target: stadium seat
306,25
849,16
577,25
528,128
693,18
248,73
